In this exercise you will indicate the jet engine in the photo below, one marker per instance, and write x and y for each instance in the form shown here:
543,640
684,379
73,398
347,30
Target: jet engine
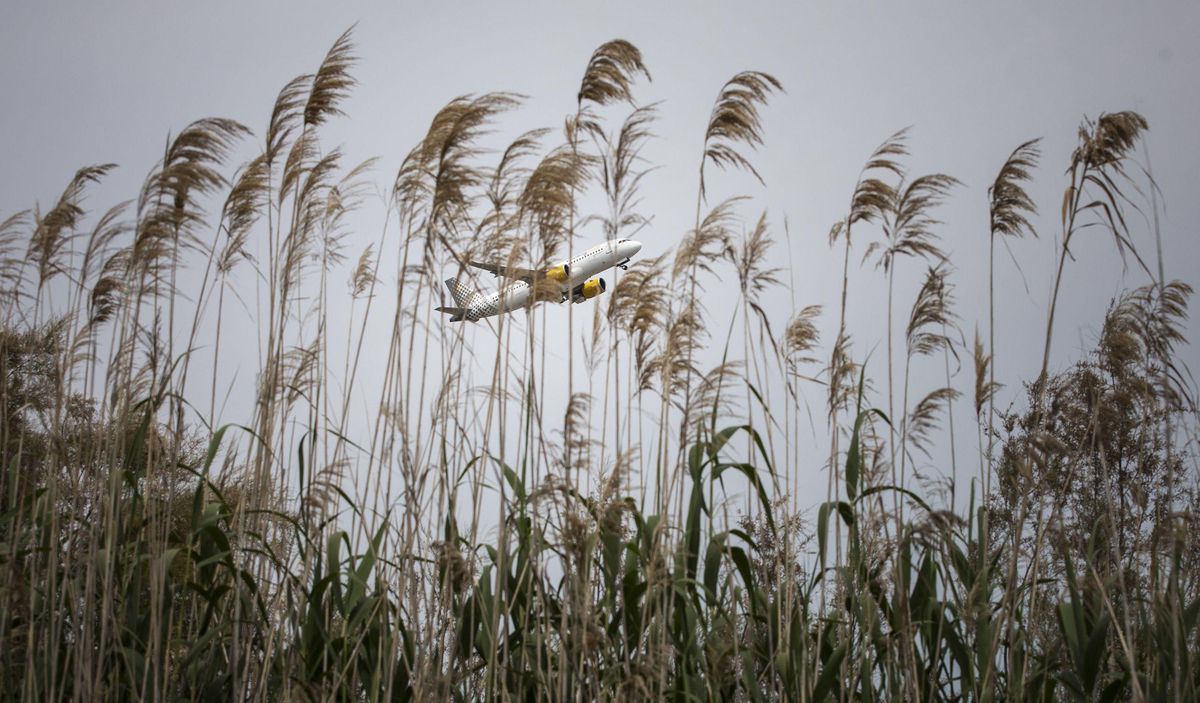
590,289
559,273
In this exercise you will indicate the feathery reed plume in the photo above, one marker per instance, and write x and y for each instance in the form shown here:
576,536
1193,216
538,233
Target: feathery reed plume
576,443
922,422
298,365
323,492
872,195
146,341
639,307
53,231
438,175
1099,161
749,259
1108,140
1009,204
1145,325
547,201
908,226
835,231
802,336
930,314
301,157
168,208
639,300
245,204
735,121
593,350
841,373
985,394
610,73
673,365
705,245
11,263
287,114
331,83
714,396
106,293
985,388
364,272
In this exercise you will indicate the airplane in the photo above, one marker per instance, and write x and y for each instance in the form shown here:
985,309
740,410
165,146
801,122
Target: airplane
576,280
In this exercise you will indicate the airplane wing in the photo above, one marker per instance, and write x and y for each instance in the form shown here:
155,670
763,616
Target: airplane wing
515,273
559,274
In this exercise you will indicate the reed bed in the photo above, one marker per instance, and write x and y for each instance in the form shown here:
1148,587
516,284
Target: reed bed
490,532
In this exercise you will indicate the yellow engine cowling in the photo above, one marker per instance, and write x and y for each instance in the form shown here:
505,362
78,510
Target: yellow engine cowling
593,287
559,273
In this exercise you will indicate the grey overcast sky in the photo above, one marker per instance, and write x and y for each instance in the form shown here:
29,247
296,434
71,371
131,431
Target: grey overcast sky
96,82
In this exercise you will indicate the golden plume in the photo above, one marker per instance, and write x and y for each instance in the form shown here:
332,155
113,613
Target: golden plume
610,73
1010,204
331,83
735,121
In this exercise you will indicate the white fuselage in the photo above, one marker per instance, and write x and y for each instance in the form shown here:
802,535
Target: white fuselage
516,295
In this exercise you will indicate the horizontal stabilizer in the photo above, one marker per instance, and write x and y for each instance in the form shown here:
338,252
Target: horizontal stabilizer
456,314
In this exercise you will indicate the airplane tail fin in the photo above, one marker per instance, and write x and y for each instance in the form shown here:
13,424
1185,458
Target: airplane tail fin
462,294
456,314
463,297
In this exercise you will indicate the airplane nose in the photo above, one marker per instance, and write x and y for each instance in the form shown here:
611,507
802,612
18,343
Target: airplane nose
632,248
